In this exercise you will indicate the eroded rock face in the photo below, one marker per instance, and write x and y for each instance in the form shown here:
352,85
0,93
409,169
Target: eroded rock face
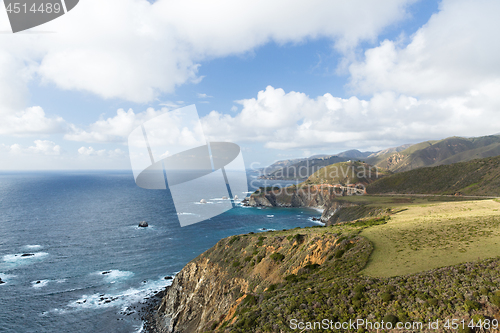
200,295
207,292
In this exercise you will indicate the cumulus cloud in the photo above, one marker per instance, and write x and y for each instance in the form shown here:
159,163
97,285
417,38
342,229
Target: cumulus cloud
454,53
115,129
84,151
136,50
31,121
43,147
294,120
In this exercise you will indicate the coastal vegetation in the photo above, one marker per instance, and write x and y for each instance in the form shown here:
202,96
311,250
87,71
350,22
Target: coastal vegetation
416,259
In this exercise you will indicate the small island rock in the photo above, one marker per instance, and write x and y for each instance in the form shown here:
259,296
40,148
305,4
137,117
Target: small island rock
235,197
224,198
168,278
1,282
27,255
203,201
143,224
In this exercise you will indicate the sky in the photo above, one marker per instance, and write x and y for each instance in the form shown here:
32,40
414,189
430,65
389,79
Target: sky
283,79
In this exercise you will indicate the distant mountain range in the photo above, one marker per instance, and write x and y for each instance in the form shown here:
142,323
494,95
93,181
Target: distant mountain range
397,159
305,167
434,153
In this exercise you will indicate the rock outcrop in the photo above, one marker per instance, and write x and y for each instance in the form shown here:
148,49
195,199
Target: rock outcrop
207,292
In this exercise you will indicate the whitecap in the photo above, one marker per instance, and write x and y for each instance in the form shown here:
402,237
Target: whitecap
317,222
187,214
120,299
270,215
115,275
266,229
39,283
32,247
19,259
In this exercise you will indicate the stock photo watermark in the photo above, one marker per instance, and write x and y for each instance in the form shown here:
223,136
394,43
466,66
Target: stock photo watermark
26,14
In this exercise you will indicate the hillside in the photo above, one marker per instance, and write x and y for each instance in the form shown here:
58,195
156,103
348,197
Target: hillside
476,177
262,282
441,152
303,168
344,173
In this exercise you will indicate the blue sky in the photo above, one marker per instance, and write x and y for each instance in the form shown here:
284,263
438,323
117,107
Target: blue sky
282,79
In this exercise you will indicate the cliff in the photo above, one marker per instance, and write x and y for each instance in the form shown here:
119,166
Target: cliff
324,196
211,291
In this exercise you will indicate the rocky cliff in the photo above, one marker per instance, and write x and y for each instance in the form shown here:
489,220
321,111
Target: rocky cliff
211,291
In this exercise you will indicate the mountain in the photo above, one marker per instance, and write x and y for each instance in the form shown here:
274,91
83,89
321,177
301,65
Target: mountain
352,172
355,154
475,177
439,152
303,168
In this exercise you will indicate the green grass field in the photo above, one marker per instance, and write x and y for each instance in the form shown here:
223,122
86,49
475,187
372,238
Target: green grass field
425,235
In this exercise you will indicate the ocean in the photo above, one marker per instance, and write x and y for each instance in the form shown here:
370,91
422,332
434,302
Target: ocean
73,258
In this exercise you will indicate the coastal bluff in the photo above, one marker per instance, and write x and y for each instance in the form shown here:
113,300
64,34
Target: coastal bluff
210,292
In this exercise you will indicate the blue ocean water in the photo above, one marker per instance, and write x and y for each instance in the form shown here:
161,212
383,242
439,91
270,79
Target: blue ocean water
89,265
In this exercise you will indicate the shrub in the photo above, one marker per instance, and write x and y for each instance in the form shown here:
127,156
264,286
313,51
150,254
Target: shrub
236,263
390,318
277,256
339,253
494,299
386,297
471,305
234,239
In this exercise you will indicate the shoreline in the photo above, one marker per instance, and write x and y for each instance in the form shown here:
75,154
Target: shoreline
149,312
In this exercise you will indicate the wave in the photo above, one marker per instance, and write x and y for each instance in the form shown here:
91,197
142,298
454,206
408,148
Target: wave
120,299
114,275
188,214
32,247
317,222
270,215
11,261
39,284
266,229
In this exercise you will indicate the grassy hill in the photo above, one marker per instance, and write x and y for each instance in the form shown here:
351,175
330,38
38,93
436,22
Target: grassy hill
476,177
433,153
353,172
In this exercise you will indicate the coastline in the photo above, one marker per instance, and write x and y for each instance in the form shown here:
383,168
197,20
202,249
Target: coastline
150,308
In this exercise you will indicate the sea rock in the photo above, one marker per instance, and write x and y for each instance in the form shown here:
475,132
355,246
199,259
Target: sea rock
224,198
235,197
106,272
143,224
1,282
203,201
168,278
27,254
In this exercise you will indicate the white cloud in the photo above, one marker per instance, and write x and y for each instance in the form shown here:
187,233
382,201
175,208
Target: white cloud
455,52
203,96
43,147
31,121
295,121
135,50
84,151
115,129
